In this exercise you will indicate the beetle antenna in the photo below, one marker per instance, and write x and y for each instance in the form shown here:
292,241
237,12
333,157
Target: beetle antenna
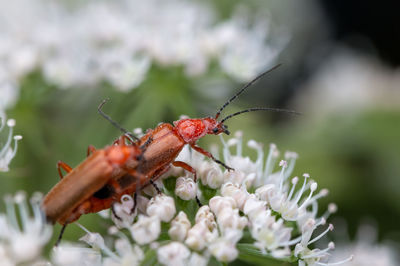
260,109
244,88
115,124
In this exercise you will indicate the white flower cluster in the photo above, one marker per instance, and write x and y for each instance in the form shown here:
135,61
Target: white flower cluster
117,41
267,212
22,242
252,206
253,198
6,152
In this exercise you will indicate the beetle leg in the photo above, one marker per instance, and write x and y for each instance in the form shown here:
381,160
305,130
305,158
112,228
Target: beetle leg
90,150
148,141
114,213
209,155
155,186
60,235
134,203
187,168
64,166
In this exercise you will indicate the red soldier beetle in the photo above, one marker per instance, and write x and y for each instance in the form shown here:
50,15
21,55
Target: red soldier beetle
81,191
168,140
106,181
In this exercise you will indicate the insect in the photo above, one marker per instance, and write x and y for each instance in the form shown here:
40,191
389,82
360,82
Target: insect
109,173
168,140
81,190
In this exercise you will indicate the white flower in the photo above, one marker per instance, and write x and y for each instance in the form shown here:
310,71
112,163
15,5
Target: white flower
185,188
146,229
211,175
196,259
125,212
68,254
196,236
179,227
227,214
127,73
174,254
243,165
242,60
239,194
312,256
224,248
118,41
218,204
6,152
127,254
269,234
23,242
203,231
161,206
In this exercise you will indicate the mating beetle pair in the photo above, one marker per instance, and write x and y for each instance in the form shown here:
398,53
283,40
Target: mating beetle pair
107,174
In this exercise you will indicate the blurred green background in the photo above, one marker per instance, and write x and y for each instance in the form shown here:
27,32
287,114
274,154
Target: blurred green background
346,138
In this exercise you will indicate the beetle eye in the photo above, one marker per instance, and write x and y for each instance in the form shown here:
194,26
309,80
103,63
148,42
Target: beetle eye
215,130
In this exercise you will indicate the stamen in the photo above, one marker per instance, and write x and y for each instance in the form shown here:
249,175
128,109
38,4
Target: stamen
94,240
283,164
291,242
337,263
332,208
301,190
319,252
323,193
225,151
10,124
239,148
20,200
260,155
10,209
294,183
35,203
271,159
330,228
312,189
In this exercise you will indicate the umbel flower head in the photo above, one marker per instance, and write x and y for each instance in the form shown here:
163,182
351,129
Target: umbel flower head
256,210
118,42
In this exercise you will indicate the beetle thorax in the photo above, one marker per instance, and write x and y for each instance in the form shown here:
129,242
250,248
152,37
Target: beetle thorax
191,129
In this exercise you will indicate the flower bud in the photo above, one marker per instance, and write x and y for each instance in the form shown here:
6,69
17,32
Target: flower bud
161,206
174,253
185,188
179,227
146,229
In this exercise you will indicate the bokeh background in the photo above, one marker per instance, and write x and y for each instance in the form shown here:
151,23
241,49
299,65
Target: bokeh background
340,69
